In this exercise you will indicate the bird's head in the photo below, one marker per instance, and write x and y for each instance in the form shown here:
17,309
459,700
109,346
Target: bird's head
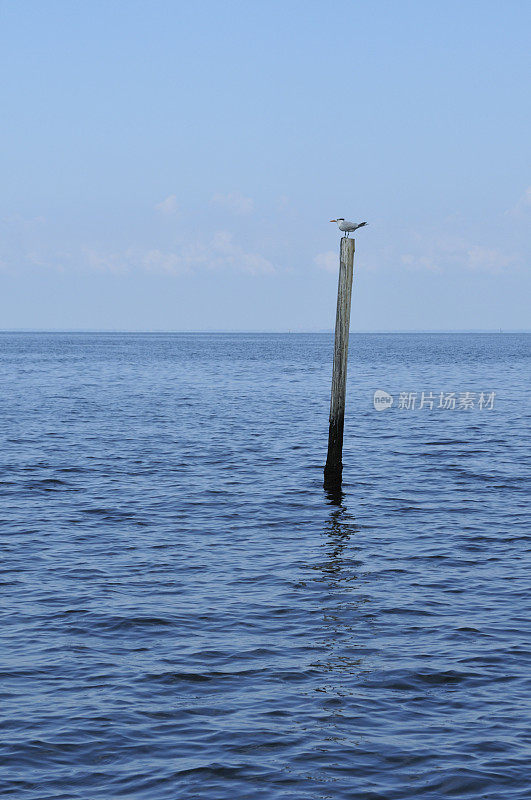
339,219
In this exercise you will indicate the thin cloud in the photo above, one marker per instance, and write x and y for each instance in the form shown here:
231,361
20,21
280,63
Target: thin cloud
523,206
489,259
235,202
327,261
226,253
220,253
417,262
168,206
442,253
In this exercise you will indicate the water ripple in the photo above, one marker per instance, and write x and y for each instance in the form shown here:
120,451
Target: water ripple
185,614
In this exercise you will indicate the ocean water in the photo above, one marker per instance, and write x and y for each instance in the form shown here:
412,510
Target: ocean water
186,614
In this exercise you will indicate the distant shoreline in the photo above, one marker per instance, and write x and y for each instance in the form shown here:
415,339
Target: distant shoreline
255,332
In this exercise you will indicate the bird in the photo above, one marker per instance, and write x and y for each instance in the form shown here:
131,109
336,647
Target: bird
347,227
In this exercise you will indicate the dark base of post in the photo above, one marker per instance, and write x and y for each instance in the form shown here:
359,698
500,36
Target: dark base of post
333,478
333,471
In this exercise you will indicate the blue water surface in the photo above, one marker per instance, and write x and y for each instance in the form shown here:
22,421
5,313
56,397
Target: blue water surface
186,614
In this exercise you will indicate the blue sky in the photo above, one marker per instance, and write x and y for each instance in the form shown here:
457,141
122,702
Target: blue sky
173,166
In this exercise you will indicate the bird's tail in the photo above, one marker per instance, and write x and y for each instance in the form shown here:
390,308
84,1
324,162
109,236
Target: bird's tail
362,224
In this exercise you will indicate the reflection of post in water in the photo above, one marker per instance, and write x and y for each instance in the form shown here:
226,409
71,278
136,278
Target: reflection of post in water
339,528
341,634
335,495
335,647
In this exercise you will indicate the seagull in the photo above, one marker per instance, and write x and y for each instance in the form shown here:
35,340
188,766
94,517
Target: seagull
347,227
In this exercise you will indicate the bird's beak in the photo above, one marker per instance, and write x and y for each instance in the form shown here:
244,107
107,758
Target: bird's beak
333,220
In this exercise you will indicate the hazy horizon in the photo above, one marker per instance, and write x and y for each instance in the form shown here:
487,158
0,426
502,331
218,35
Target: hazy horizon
207,331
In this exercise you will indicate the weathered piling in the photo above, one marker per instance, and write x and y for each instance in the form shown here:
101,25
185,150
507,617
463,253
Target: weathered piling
334,462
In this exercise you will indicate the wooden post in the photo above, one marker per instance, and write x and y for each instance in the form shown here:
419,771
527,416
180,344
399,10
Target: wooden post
334,461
